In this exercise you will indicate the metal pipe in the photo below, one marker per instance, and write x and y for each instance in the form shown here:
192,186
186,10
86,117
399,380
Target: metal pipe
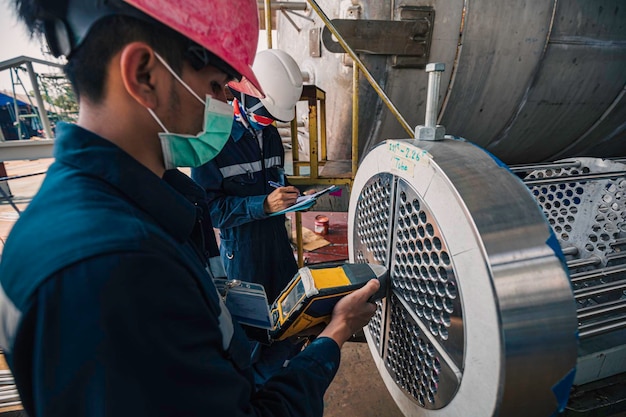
432,94
299,239
361,66
553,165
43,113
355,118
268,22
16,108
600,289
576,178
602,327
615,256
284,5
570,250
618,242
587,313
577,263
598,273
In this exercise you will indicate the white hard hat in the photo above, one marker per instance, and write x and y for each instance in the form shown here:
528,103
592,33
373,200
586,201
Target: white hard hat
281,81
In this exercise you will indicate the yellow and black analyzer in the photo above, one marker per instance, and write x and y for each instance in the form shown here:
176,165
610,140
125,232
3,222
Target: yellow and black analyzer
309,298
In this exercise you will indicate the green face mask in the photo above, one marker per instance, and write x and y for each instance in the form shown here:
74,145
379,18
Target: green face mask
180,150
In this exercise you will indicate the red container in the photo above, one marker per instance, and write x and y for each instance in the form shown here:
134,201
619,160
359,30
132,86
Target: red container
321,224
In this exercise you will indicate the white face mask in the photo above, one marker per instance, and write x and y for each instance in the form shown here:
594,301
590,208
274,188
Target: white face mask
181,150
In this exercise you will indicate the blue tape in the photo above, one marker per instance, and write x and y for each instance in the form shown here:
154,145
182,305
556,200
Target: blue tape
562,389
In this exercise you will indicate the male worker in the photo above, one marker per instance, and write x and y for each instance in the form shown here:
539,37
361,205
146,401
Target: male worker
242,194
107,307
241,181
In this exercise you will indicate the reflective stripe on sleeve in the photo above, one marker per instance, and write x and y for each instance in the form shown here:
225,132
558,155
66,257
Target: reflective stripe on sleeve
10,317
239,169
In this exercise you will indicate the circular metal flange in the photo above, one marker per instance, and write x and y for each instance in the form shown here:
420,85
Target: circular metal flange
480,318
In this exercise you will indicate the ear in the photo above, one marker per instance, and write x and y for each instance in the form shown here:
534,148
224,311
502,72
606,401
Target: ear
138,69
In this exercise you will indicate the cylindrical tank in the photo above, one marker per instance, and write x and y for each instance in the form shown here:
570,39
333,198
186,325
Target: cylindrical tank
507,286
529,81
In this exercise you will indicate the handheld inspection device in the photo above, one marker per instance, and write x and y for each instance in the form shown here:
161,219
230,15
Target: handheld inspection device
308,299
311,295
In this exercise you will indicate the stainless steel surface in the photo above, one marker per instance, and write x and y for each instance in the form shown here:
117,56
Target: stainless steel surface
430,130
432,95
478,283
584,200
529,81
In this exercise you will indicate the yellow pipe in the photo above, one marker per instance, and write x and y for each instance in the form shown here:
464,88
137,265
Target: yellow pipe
268,22
362,67
355,118
299,239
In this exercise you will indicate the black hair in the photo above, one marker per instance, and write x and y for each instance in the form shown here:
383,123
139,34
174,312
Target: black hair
87,65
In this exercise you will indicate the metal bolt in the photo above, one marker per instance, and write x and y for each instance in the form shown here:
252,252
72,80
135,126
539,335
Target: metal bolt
434,71
430,130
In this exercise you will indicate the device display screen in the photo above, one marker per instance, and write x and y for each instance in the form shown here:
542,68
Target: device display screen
293,298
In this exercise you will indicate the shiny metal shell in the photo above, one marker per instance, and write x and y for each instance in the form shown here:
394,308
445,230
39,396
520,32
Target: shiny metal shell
478,283
528,81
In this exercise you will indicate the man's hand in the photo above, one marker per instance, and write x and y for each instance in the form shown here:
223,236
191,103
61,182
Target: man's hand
280,199
351,313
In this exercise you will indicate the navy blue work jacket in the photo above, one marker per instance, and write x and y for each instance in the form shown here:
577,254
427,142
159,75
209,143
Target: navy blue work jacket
255,247
107,307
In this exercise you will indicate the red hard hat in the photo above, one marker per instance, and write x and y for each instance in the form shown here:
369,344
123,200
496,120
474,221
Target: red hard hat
228,29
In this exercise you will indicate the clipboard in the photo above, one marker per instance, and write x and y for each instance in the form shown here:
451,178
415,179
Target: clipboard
305,202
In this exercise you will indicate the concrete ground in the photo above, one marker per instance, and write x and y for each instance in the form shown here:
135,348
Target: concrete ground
358,390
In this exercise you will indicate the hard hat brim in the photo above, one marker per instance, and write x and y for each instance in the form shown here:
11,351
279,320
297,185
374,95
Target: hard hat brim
247,85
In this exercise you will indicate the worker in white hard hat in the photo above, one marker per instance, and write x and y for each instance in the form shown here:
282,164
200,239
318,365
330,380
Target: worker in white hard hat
246,186
107,303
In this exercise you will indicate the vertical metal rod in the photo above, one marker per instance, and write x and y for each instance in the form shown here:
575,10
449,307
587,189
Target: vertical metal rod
362,67
320,97
432,94
355,118
294,146
43,113
299,239
268,22
16,107
313,139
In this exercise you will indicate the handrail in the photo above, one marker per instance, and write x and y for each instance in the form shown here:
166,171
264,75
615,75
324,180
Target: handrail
353,55
362,67
268,22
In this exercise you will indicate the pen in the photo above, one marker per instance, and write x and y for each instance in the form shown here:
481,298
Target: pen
275,184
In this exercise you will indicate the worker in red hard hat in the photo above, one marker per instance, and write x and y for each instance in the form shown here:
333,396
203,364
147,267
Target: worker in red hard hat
107,304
